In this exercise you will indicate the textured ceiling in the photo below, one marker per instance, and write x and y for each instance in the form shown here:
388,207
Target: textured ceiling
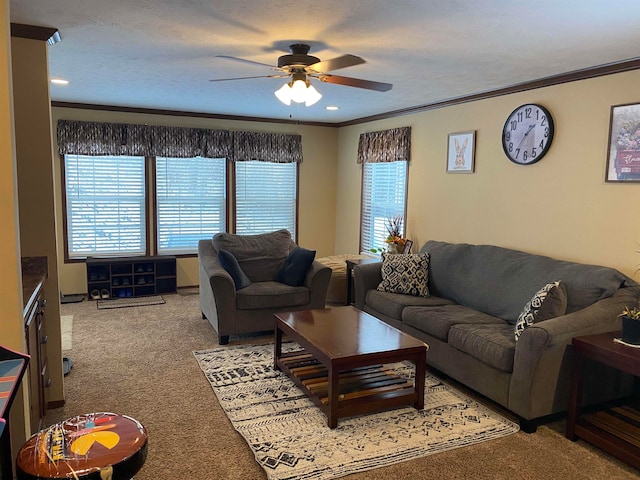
162,53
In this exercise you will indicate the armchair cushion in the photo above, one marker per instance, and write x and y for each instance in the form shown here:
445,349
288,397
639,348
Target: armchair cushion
295,267
230,264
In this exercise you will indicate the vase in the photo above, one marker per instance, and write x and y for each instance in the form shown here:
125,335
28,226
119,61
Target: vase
630,331
392,248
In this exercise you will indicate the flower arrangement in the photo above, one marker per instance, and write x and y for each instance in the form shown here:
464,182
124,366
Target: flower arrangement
393,228
395,241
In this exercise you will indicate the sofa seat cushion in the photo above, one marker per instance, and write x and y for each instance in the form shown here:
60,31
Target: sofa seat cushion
491,344
264,295
392,304
260,256
437,320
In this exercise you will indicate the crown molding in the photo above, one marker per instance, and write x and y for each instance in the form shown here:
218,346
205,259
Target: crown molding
179,113
576,75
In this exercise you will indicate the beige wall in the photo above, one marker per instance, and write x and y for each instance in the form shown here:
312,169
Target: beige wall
316,196
34,154
560,206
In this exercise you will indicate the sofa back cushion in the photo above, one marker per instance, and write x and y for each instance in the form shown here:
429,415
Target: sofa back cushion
500,281
260,256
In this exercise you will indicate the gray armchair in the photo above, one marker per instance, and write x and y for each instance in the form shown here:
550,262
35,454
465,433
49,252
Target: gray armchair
250,309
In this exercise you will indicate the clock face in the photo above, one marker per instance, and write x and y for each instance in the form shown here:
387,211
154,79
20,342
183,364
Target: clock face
527,134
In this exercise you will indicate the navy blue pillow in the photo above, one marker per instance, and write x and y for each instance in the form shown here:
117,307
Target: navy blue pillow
231,265
295,267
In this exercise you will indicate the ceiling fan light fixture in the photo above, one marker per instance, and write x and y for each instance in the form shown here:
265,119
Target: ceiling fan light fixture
313,96
284,94
298,90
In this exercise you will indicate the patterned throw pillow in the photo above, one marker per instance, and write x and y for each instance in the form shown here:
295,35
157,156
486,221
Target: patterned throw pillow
548,302
405,273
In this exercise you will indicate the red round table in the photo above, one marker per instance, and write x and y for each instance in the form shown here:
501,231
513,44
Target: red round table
94,446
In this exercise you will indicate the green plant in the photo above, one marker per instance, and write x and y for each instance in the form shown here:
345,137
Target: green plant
633,313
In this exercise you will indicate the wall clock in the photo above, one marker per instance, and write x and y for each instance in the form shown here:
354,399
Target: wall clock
527,134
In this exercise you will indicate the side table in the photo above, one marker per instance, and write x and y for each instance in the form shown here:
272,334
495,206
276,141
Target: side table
352,262
615,430
95,446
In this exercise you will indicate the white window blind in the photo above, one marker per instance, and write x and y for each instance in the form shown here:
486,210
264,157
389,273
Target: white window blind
190,202
265,197
105,197
384,188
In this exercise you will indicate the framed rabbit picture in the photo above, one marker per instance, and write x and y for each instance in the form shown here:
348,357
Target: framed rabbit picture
461,152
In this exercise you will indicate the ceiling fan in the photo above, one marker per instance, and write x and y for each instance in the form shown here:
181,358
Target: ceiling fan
301,66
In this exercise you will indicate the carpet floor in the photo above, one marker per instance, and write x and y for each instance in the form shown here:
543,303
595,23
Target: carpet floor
289,435
139,362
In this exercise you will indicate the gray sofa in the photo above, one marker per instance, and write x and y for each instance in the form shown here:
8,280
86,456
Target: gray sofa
477,293
250,309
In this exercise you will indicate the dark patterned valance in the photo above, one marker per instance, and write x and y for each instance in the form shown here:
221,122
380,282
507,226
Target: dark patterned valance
385,146
95,138
267,147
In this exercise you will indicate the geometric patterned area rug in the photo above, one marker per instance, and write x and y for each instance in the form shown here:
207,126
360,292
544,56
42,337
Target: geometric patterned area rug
289,435
130,302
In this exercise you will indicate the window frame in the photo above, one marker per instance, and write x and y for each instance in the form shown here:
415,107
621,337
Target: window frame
361,247
154,200
65,226
233,198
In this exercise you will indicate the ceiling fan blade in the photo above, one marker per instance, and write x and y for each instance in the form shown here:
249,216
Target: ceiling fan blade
250,62
246,78
356,82
336,63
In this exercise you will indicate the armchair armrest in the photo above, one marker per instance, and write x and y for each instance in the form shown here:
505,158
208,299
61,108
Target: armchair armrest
317,281
365,277
217,290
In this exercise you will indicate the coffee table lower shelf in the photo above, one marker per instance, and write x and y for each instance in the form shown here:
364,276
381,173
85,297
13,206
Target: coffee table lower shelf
361,390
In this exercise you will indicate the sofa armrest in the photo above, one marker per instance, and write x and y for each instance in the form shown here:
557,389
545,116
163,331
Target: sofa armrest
365,277
542,362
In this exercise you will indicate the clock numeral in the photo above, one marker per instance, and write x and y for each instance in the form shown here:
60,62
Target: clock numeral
541,144
533,152
517,152
525,156
544,120
514,125
511,146
507,136
528,112
546,132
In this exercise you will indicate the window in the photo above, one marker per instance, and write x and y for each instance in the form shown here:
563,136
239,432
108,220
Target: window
105,205
266,197
190,202
384,187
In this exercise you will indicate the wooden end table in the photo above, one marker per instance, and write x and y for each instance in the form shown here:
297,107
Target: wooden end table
615,430
342,367
94,446
352,262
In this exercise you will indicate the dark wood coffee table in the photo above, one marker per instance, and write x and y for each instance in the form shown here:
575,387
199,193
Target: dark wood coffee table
342,367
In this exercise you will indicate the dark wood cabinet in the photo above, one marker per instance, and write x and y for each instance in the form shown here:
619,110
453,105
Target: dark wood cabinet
130,276
39,378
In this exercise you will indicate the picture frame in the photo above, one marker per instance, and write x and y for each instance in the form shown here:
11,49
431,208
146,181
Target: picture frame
461,149
407,246
623,152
